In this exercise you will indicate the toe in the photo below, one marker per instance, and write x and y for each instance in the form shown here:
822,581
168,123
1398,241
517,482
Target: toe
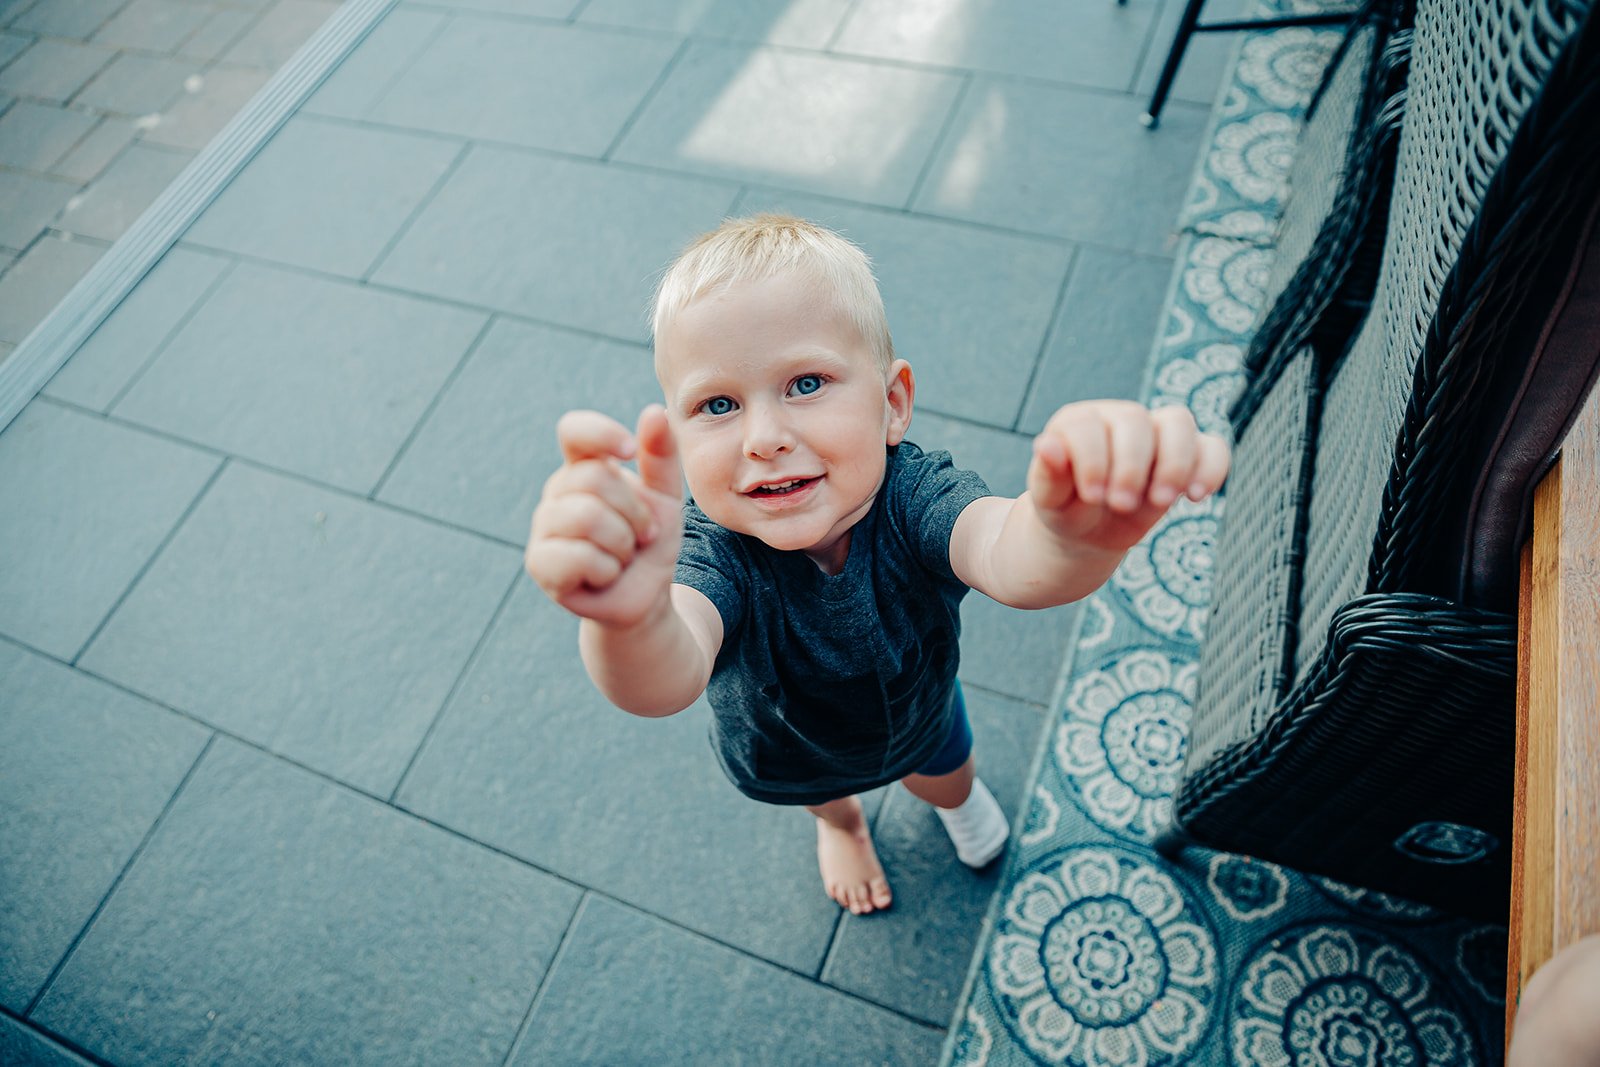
881,897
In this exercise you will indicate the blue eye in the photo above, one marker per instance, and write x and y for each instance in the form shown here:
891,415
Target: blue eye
717,405
807,384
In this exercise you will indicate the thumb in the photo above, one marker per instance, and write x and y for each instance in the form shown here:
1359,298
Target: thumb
658,453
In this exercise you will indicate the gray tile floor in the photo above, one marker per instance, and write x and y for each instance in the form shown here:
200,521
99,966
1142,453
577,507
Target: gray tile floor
295,765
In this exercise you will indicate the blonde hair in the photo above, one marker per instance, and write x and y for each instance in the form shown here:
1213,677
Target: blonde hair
763,246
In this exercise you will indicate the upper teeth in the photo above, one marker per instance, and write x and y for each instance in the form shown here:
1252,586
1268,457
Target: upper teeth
783,485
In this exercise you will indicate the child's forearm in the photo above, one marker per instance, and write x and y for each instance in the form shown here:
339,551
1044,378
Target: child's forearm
1028,566
654,668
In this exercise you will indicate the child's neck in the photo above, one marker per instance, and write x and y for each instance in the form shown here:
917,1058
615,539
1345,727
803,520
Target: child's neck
831,557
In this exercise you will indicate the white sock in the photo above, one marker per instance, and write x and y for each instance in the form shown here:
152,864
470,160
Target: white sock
978,828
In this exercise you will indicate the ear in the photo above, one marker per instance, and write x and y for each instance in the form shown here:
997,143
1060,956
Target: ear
902,390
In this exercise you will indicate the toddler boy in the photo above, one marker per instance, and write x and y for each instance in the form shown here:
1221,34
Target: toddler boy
811,586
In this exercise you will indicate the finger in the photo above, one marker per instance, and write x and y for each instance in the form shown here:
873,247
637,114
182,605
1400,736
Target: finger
565,567
1050,473
585,517
591,435
1133,449
1212,467
1088,447
1177,452
658,453
611,483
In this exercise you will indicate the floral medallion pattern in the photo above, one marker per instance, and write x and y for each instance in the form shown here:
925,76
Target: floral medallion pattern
1122,741
1099,959
1167,576
1101,951
1343,996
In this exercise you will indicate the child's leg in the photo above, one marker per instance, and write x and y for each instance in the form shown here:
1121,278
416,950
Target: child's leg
851,872
975,823
1558,1021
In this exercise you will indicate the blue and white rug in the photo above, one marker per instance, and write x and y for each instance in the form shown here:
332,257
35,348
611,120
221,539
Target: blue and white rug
1099,953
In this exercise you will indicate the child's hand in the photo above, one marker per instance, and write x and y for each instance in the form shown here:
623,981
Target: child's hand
1104,471
605,539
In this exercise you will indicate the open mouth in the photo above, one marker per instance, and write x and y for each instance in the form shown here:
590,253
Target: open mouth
793,485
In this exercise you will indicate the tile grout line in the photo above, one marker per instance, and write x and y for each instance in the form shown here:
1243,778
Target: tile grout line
166,341
447,19
416,212
160,548
838,31
467,666
1049,335
650,94
543,984
53,1037
138,851
957,102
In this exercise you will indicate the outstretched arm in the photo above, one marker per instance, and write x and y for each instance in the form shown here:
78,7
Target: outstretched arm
604,543
1103,472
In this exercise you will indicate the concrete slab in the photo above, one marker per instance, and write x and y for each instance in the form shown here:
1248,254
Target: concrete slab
153,25
563,241
88,503
795,120
132,334
331,391
324,628
485,450
200,114
530,758
37,282
84,771
121,194
562,87
357,83
914,957
1097,45
800,23
31,203
34,137
279,32
20,1045
76,20
968,306
629,985
137,85
95,152
1014,158
278,918
325,196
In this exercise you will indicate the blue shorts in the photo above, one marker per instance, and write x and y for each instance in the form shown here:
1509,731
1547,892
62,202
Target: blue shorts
957,747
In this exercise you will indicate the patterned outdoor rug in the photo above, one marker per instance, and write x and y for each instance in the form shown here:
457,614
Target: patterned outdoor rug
1098,951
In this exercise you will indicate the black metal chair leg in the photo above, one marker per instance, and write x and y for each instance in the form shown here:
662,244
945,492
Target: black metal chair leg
1169,69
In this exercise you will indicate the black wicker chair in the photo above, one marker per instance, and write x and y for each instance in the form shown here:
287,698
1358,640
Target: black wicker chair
1354,716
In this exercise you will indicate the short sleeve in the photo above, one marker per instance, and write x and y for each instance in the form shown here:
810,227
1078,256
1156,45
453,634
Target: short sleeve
710,560
926,494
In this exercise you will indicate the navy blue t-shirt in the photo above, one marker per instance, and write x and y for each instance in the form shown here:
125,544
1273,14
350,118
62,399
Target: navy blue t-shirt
828,685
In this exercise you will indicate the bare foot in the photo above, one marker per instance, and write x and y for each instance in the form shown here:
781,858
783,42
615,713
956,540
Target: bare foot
851,872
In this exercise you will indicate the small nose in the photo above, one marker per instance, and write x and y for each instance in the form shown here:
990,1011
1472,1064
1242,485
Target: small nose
766,435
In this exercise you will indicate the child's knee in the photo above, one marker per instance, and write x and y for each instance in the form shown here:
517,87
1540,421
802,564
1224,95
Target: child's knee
1558,1017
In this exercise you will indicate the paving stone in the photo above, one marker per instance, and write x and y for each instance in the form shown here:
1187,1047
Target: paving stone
84,771
1086,44
31,204
794,120
324,196
152,25
132,334
598,76
13,45
1014,157
914,958
279,33
1015,652
568,242
482,456
199,115
798,23
6,348
556,9
87,504
137,85
77,19
530,758
968,307
320,626
627,982
217,34
277,918
330,392
120,195
53,70
357,83
96,151
33,136
36,283
22,1046
1102,338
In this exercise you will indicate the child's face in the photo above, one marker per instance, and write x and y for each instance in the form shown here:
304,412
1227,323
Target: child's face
781,414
